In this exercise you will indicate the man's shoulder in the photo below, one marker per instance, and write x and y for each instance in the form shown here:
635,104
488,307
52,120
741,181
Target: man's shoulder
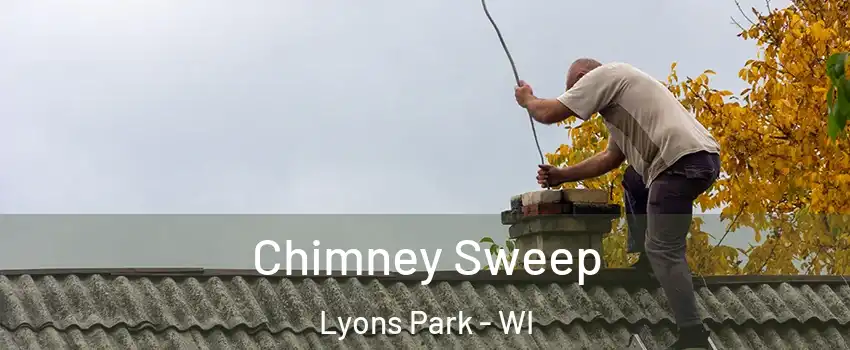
627,74
616,64
620,68
616,72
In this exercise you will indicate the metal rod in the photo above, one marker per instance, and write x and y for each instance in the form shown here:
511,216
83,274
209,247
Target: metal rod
516,77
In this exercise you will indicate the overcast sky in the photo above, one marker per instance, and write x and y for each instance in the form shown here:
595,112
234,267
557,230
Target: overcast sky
300,106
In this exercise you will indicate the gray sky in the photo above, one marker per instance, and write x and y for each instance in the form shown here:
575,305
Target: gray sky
308,106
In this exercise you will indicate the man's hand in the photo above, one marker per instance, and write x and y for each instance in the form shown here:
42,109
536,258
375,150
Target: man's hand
550,176
523,94
545,111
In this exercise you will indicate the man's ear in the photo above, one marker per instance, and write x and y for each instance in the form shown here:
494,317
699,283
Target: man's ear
579,76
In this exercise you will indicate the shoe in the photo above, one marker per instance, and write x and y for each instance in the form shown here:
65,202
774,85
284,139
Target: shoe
692,338
642,266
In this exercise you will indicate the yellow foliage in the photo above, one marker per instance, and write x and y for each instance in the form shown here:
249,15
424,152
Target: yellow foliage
781,177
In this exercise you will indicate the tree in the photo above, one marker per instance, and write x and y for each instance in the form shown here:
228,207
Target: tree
783,176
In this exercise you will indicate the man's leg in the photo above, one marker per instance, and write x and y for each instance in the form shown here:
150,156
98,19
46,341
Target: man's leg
670,211
635,198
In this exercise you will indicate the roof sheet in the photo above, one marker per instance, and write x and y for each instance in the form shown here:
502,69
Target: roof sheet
575,336
234,311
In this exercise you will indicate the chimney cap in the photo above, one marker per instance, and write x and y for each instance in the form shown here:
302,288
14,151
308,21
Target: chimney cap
571,202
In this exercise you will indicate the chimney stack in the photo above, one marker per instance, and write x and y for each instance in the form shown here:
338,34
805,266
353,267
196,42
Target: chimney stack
570,219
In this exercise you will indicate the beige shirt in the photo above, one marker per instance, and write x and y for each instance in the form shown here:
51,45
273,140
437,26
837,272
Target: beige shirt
645,120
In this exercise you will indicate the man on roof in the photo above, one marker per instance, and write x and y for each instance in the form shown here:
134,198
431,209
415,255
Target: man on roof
672,160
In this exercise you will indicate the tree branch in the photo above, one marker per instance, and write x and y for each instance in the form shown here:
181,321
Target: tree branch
741,10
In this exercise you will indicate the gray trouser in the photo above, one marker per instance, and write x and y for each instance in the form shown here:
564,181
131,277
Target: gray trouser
663,213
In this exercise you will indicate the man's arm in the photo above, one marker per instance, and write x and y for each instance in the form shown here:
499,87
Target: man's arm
547,111
597,165
589,95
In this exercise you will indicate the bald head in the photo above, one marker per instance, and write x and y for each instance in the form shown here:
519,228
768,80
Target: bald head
579,68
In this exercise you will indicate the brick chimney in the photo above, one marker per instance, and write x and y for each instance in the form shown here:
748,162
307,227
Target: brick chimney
570,219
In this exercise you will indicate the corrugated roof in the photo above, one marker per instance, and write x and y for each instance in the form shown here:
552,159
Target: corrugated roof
575,336
195,310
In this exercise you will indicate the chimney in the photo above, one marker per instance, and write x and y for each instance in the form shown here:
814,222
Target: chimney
570,219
